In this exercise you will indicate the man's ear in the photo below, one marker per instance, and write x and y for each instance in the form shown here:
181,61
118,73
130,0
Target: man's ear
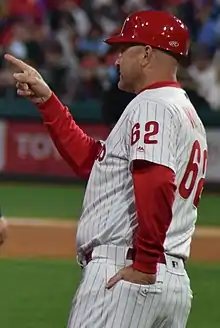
147,55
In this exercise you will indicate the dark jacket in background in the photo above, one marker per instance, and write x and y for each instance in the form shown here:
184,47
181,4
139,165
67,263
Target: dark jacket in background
114,103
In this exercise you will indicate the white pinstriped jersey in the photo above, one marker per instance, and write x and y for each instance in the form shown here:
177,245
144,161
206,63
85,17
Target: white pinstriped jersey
159,125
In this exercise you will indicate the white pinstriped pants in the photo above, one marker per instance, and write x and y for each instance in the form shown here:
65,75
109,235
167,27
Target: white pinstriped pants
166,304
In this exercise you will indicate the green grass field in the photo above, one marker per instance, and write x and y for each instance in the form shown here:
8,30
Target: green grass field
36,200
37,294
64,202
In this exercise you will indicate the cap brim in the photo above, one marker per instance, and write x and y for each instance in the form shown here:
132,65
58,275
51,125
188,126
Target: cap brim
117,39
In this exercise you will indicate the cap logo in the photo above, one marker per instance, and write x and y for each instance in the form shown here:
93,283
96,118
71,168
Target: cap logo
174,44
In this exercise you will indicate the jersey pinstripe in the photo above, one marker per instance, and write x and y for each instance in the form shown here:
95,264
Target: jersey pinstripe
161,126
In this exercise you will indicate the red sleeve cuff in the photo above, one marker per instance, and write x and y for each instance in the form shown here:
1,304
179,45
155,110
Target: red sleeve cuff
146,263
51,102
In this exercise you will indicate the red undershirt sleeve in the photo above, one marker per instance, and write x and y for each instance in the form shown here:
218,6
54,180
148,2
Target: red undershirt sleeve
77,149
153,128
154,189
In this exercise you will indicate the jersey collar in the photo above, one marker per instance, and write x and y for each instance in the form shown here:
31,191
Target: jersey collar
161,85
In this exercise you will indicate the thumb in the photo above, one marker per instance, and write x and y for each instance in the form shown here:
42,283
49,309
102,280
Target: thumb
113,280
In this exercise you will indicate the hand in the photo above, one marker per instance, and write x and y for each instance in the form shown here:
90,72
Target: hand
3,230
133,276
29,82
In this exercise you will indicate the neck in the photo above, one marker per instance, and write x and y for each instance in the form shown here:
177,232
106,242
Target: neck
149,81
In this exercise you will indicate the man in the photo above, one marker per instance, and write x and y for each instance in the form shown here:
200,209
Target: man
144,186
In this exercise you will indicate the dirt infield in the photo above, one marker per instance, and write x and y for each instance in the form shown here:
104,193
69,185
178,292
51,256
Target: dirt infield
56,239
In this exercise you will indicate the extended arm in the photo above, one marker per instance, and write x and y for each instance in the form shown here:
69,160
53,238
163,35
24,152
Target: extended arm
77,149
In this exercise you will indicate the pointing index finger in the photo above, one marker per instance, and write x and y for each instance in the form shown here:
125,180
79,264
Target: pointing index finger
17,62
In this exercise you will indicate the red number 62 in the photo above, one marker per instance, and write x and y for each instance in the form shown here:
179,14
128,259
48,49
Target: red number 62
151,129
188,183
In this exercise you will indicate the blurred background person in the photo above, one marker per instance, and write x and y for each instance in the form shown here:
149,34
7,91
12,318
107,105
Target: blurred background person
205,73
64,40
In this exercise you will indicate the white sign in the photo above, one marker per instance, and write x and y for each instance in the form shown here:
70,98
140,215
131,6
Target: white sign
37,145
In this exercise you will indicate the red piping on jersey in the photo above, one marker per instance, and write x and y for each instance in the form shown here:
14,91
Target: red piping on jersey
163,84
154,190
76,148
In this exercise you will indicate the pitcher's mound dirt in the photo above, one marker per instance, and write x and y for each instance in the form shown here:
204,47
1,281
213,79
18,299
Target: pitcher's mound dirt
56,239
